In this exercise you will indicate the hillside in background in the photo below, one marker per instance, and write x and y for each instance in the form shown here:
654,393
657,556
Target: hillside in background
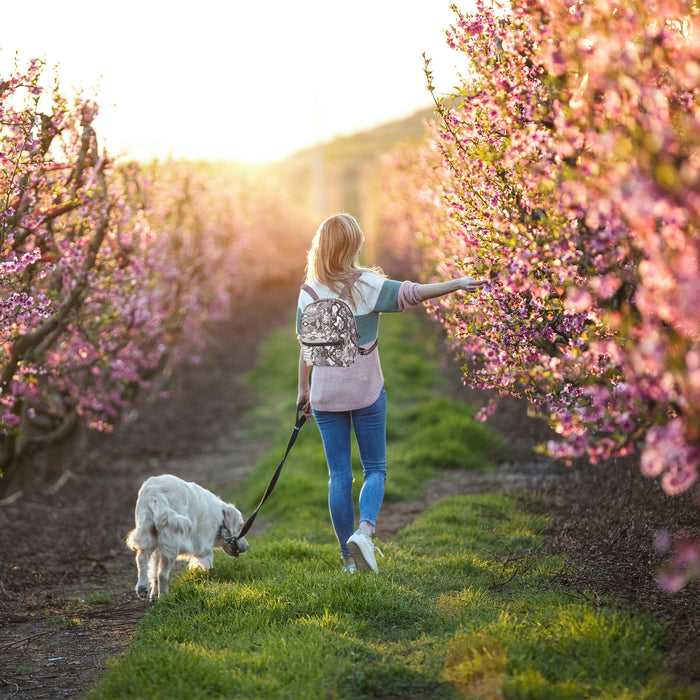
339,175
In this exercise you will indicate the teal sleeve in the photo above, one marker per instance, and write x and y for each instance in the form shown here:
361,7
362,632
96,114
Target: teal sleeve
388,299
367,327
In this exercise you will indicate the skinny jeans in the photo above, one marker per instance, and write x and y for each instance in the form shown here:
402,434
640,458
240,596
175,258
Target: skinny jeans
369,426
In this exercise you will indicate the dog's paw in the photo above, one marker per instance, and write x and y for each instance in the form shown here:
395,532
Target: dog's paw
142,591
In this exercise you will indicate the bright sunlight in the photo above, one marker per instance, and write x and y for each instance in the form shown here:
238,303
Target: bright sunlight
250,82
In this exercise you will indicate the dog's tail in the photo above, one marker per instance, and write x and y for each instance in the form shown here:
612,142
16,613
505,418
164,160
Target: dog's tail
165,518
154,515
168,519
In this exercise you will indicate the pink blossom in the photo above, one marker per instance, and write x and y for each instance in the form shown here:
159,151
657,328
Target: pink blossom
569,176
684,566
137,282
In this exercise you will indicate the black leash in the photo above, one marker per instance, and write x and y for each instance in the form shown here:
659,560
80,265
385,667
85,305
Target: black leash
300,420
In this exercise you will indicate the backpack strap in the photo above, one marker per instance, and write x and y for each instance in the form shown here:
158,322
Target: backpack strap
310,291
344,292
346,289
367,351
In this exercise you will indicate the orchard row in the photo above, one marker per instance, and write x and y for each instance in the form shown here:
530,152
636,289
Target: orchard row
108,273
567,172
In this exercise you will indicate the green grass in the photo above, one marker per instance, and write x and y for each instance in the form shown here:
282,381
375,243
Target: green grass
425,430
466,591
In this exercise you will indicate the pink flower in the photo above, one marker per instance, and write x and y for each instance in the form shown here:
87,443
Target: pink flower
606,285
683,567
578,299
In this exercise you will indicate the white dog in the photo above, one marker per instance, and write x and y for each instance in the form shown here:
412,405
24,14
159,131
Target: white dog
178,519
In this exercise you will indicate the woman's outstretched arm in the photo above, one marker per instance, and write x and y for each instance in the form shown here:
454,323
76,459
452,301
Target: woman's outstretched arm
440,289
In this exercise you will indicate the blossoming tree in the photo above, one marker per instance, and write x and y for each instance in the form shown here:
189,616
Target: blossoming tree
107,272
571,180
572,174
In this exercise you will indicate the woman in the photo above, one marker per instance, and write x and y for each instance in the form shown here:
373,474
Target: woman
343,399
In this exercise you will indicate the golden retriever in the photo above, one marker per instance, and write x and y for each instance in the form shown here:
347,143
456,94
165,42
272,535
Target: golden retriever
178,519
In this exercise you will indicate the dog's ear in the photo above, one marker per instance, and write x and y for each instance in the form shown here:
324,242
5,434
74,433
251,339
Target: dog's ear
234,519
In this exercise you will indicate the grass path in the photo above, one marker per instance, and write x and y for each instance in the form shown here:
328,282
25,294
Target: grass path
467,602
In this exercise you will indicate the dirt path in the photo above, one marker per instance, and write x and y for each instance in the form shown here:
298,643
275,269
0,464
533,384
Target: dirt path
66,580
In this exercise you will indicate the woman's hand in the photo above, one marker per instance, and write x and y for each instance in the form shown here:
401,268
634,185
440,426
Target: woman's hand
469,284
304,387
305,403
439,289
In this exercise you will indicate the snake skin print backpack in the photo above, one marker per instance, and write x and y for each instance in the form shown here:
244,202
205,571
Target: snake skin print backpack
328,333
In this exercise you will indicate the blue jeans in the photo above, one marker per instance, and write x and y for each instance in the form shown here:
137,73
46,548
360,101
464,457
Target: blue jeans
369,425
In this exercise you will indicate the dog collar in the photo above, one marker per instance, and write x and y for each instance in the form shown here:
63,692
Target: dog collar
232,541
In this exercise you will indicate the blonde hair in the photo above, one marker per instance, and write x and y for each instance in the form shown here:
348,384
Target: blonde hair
334,254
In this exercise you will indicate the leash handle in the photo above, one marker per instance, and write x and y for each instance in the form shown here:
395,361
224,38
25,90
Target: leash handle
300,420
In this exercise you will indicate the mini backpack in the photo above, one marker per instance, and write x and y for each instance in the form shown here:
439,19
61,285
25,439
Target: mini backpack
328,334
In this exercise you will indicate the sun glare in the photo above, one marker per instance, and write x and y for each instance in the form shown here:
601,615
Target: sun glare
237,81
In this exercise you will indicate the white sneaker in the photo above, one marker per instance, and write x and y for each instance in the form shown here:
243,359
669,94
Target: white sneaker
362,551
349,569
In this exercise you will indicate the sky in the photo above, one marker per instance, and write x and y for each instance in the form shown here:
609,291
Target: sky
244,80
